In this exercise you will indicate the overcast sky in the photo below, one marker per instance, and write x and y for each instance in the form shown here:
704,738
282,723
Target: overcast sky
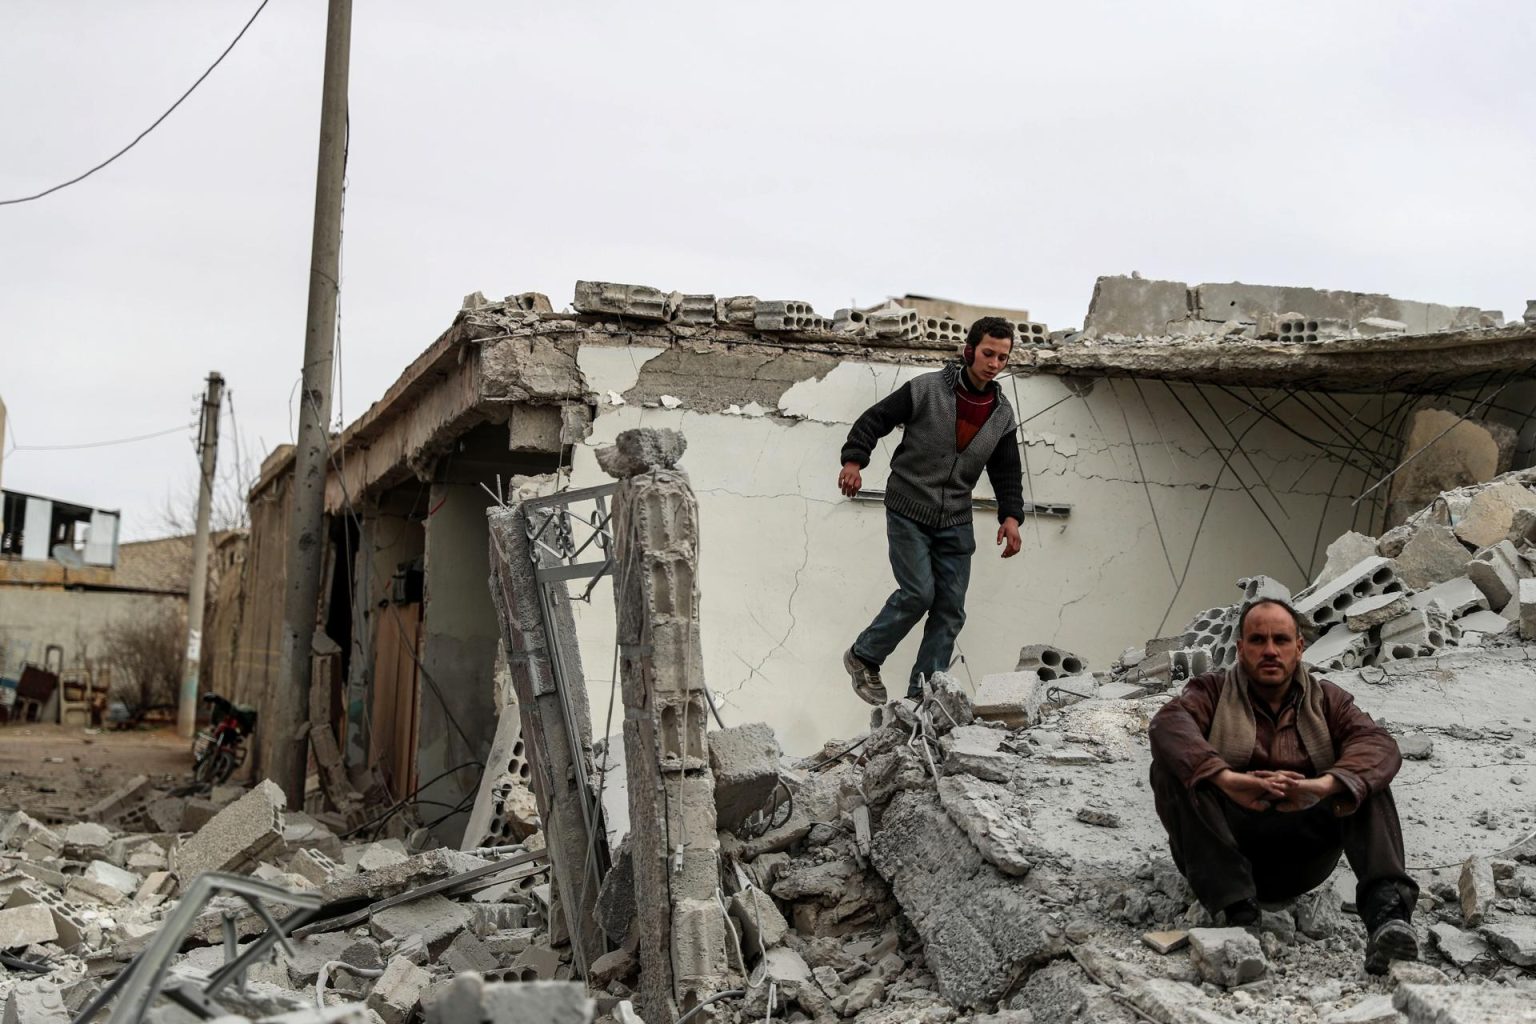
1002,153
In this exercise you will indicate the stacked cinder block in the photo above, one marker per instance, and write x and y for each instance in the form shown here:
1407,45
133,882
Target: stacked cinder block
740,310
848,321
637,301
787,315
893,327
1031,333
697,309
943,330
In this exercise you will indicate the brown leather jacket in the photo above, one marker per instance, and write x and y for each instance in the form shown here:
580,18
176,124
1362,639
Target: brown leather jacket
1365,755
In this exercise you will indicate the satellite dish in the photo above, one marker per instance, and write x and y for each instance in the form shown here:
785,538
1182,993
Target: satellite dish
65,554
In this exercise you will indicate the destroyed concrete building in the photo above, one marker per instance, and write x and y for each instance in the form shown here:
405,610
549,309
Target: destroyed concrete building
976,859
1152,439
747,845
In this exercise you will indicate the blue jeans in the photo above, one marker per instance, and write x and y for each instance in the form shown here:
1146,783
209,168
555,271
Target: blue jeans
933,569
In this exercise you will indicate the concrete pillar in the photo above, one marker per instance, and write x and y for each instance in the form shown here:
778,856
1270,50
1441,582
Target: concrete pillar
459,636
578,857
682,929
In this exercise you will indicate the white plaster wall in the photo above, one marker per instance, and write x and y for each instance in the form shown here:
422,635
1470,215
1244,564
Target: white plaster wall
792,571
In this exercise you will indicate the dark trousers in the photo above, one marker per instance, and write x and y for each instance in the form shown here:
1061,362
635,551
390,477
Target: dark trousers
1229,853
933,570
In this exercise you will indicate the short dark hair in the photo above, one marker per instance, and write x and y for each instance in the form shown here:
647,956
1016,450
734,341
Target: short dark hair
1242,618
989,327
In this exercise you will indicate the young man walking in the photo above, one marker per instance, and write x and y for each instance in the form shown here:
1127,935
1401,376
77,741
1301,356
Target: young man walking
956,423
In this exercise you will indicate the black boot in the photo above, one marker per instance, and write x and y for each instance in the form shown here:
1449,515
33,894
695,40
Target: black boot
1242,913
1388,923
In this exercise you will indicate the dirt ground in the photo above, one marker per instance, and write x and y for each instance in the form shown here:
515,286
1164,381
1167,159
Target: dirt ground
64,769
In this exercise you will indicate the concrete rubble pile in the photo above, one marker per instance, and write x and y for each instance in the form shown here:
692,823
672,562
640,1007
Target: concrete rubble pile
987,855
1458,575
393,932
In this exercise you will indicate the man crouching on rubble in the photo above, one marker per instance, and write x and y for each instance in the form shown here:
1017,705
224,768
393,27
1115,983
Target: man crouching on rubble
1264,773
956,423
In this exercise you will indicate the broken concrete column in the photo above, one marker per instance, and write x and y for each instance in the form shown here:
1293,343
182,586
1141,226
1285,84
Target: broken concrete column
674,844
557,748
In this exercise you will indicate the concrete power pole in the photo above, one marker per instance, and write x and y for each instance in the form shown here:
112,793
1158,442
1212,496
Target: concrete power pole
288,704
208,450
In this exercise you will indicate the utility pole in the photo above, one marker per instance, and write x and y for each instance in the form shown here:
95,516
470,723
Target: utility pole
208,452
287,712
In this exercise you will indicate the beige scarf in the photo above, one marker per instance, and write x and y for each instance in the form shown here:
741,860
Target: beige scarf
1234,734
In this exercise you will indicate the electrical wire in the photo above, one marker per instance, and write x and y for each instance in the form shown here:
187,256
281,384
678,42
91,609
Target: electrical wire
97,444
728,994
140,137
410,796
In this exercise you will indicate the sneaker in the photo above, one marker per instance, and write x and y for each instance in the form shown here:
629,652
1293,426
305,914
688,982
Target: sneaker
1242,914
1393,939
866,680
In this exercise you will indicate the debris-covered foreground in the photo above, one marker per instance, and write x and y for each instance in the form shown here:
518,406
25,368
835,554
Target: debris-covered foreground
980,857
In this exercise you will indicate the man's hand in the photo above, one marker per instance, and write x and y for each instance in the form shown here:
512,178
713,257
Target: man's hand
1257,791
1300,792
1009,531
849,481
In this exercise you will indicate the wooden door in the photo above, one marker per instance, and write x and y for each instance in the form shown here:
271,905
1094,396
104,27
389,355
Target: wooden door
396,695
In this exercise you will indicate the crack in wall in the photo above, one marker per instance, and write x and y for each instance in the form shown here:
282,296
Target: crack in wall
724,696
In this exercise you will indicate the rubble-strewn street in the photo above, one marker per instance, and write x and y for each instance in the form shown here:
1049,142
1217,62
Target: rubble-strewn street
987,856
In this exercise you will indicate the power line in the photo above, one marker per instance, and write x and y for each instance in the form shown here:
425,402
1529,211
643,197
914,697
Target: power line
97,444
139,138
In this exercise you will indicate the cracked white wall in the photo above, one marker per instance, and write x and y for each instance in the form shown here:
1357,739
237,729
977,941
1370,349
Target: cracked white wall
791,571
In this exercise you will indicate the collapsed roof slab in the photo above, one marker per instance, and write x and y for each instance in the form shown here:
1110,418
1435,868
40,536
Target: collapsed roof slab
1422,363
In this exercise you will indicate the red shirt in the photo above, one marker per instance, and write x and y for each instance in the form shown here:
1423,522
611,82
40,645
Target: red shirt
971,411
